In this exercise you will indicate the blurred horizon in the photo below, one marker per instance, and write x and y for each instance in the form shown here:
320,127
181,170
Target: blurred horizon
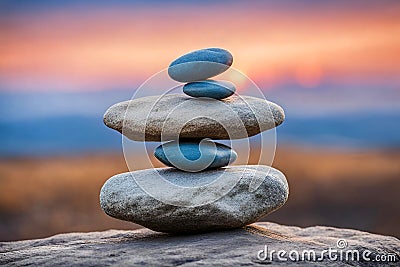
71,123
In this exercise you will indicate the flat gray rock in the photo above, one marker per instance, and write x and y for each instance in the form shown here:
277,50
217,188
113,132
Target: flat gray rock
173,201
229,248
165,118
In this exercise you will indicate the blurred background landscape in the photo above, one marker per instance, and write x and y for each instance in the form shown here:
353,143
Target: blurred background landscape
334,66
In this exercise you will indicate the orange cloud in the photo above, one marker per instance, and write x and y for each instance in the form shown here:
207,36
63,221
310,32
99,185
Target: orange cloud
105,48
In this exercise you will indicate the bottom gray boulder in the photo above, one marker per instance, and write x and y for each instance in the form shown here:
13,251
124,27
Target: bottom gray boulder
173,201
239,247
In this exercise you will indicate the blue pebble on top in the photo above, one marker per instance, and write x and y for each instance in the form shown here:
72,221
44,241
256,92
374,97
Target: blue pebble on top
195,156
210,88
200,65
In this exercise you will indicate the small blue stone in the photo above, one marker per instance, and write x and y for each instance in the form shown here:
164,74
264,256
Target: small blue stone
200,65
195,156
210,88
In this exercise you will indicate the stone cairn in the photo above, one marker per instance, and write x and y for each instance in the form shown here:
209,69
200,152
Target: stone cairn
200,192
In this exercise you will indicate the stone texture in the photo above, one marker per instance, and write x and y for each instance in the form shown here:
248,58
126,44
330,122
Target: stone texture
248,193
229,248
200,65
195,156
178,115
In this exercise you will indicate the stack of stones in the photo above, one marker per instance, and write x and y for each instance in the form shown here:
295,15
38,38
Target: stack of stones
212,195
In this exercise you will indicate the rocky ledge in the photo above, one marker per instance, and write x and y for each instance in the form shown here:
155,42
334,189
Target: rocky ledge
240,247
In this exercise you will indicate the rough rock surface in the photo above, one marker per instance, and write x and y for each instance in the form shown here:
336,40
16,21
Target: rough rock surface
228,248
211,200
178,115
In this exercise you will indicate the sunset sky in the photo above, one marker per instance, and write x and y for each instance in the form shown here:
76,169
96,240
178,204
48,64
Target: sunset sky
105,45
334,66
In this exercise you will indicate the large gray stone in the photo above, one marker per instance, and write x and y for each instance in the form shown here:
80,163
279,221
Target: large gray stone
229,248
157,118
211,200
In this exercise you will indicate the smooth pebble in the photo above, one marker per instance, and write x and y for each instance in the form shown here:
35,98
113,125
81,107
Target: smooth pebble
210,88
195,156
200,65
